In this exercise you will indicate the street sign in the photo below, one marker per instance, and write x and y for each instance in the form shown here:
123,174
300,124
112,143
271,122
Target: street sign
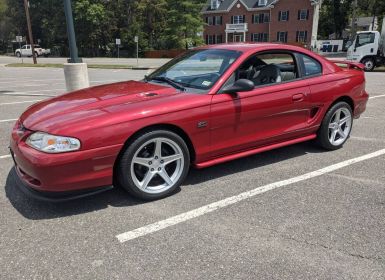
19,39
117,41
136,39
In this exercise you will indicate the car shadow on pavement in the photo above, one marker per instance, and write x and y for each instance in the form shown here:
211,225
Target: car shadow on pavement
33,209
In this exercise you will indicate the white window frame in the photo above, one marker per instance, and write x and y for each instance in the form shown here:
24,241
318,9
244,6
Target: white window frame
212,39
219,21
210,20
305,11
214,4
282,17
262,2
217,39
238,19
282,33
302,37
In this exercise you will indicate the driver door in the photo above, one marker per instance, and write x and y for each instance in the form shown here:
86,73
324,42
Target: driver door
267,114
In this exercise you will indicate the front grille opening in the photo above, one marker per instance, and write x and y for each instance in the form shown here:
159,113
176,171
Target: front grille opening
30,179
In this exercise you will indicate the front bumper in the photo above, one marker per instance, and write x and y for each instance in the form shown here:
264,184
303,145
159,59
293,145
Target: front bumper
79,171
55,196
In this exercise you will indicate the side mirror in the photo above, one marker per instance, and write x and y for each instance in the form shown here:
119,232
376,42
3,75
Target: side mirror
239,86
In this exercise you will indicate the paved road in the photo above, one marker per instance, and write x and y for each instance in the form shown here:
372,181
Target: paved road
329,226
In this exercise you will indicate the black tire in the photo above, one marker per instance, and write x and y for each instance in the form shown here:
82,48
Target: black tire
18,54
124,174
323,132
369,64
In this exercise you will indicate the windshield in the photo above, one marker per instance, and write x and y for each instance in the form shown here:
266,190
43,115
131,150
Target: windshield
364,39
198,69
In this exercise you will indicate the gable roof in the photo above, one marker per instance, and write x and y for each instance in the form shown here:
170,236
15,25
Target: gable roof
251,5
226,5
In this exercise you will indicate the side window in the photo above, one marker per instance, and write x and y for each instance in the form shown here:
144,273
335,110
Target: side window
23,47
365,38
311,66
267,68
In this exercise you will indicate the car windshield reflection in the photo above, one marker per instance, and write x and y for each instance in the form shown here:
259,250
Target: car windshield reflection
197,69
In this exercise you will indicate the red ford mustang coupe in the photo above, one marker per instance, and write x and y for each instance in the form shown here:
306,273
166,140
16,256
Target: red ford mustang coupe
208,106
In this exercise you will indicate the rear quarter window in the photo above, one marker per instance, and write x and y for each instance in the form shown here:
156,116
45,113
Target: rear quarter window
311,67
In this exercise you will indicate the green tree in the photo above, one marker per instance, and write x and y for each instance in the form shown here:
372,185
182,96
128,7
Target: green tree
184,23
160,24
334,17
372,8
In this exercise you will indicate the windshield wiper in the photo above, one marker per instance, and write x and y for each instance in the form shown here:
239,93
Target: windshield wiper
167,80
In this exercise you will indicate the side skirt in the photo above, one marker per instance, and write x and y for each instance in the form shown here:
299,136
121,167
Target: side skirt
253,151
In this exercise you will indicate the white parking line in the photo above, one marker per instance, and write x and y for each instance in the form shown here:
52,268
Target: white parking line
9,120
26,81
5,156
55,89
20,102
28,85
31,92
151,228
377,96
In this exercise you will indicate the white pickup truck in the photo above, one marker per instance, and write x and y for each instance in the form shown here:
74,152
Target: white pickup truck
26,50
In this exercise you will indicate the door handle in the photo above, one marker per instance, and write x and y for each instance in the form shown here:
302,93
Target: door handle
298,97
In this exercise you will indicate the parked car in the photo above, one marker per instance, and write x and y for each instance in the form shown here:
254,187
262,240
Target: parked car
208,106
26,50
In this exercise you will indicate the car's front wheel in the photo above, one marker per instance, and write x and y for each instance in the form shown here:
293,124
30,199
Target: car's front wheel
336,126
18,54
154,165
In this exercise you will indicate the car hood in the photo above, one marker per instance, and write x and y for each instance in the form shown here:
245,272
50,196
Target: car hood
92,103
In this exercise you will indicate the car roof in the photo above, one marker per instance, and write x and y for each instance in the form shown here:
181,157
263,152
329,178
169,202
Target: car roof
245,47
248,48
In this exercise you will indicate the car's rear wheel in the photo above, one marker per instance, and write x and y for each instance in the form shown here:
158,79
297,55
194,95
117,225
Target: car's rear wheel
369,64
154,165
336,126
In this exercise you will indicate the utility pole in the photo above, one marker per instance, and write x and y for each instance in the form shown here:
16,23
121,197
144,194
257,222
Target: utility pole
71,33
75,71
354,16
26,7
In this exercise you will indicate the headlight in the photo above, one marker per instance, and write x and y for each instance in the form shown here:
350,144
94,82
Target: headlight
52,143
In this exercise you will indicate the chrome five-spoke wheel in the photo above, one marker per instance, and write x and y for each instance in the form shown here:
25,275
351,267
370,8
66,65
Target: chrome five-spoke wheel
339,126
157,165
336,126
154,165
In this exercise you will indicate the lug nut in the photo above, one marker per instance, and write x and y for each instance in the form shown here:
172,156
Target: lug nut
159,169
162,161
156,157
152,169
150,162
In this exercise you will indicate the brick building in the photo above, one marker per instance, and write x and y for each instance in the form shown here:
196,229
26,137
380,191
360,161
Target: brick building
289,21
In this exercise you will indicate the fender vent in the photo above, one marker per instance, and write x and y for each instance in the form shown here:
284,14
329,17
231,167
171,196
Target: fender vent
313,112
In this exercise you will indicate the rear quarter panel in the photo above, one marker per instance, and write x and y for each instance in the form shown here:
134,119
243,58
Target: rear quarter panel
326,89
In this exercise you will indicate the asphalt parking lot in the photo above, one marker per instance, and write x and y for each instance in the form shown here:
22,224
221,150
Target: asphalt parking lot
268,216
